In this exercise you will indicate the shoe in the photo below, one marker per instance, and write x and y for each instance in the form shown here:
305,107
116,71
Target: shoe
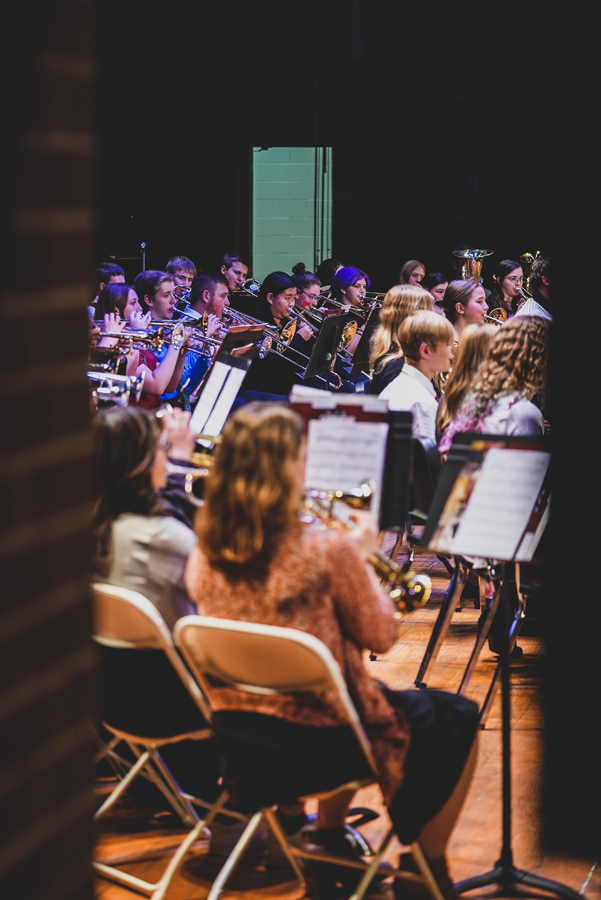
410,890
225,837
326,880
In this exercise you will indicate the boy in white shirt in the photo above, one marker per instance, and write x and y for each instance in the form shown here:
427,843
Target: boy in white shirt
428,343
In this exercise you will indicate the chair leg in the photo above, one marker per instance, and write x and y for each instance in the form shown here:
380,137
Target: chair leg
272,821
422,865
170,792
372,868
191,816
235,857
123,785
178,858
441,626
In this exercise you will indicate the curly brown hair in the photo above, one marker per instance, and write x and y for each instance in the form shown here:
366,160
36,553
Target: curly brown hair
249,496
517,360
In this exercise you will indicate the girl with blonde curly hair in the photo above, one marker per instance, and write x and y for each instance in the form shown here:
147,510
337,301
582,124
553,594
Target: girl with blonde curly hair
386,356
499,401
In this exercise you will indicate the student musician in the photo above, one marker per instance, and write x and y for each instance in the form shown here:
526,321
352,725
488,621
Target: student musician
162,369
235,270
412,272
464,304
183,271
386,357
256,562
105,273
277,372
209,294
427,342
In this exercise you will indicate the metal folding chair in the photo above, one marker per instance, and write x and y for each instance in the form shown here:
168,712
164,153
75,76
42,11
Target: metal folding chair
125,619
270,659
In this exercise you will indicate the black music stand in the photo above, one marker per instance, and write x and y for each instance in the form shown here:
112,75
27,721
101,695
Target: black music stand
323,355
361,355
504,874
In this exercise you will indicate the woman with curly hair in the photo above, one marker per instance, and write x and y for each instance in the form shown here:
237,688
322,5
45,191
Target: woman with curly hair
386,357
473,349
500,399
257,562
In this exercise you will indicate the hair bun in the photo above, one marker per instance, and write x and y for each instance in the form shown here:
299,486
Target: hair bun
299,269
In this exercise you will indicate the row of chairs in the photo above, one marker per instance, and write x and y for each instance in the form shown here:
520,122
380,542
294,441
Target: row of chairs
248,657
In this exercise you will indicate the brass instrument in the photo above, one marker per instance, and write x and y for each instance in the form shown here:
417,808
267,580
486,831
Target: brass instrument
250,286
154,339
472,263
407,589
115,388
497,316
182,292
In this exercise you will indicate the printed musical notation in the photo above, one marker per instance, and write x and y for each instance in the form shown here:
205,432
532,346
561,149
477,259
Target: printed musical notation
342,454
489,512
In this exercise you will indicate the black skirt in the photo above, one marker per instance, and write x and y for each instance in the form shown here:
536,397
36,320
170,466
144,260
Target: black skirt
271,761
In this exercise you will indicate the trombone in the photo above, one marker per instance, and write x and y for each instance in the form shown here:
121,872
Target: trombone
407,589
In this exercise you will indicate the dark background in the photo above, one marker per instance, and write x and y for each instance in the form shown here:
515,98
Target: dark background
433,111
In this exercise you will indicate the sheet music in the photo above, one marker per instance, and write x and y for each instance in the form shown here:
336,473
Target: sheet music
499,507
342,454
208,397
221,410
216,399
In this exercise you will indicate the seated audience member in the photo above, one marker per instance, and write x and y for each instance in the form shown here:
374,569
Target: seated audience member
256,562
235,270
386,359
464,304
472,350
326,271
499,400
540,284
411,272
427,343
105,273
139,546
436,283
182,269
508,280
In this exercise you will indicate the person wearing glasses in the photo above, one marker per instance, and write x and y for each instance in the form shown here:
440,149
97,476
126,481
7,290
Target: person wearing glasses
308,292
509,277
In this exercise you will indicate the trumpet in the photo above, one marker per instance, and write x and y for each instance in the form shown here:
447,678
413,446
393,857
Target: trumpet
407,589
115,388
153,339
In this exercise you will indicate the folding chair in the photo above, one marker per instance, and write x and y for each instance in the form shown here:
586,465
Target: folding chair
126,620
269,659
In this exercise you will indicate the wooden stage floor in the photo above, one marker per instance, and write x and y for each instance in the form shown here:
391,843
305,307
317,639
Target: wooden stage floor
476,841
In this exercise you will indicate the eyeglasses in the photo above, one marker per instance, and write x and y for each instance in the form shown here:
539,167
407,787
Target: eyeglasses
515,279
314,297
